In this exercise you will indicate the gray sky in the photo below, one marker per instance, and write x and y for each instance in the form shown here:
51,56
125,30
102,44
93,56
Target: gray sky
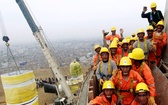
75,19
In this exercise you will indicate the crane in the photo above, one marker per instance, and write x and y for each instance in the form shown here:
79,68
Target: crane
39,36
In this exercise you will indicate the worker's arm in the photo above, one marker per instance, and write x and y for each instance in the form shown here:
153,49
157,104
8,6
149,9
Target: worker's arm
149,80
143,14
164,40
104,38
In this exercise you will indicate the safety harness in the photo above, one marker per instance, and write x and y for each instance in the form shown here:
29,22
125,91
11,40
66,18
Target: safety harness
146,48
129,90
151,17
109,70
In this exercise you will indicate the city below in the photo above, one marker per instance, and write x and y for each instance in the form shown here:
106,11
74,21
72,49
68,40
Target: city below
30,56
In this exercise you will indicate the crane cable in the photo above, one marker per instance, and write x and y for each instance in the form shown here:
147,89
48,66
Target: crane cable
6,39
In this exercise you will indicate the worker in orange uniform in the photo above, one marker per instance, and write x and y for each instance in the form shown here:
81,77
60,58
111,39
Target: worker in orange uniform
105,67
152,54
107,97
125,81
160,38
97,58
154,16
113,52
143,69
144,44
125,48
141,95
113,34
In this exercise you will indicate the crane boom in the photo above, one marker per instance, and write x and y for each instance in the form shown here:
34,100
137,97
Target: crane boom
45,49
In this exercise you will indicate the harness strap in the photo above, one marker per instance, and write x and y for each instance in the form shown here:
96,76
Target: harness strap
119,89
109,68
146,48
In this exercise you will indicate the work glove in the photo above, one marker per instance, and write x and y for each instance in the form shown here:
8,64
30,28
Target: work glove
114,73
101,81
151,101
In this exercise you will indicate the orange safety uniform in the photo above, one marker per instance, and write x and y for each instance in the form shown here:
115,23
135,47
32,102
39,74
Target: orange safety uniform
116,58
123,53
124,87
146,74
101,100
152,54
111,37
96,59
161,41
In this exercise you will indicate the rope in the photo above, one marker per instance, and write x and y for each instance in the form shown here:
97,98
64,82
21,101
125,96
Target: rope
9,51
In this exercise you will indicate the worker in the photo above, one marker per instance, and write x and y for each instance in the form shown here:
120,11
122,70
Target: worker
107,97
160,38
113,52
154,16
125,81
125,48
113,34
142,95
97,58
105,67
142,43
143,69
152,54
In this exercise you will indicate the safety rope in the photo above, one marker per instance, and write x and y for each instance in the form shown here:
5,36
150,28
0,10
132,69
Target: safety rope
8,57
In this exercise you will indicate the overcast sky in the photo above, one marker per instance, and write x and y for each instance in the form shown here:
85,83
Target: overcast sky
75,19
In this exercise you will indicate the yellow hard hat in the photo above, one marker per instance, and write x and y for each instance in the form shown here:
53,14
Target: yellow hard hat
133,35
138,54
97,46
116,39
113,28
133,38
150,27
108,85
128,37
130,56
141,87
104,49
153,5
125,61
140,30
124,41
160,23
113,44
